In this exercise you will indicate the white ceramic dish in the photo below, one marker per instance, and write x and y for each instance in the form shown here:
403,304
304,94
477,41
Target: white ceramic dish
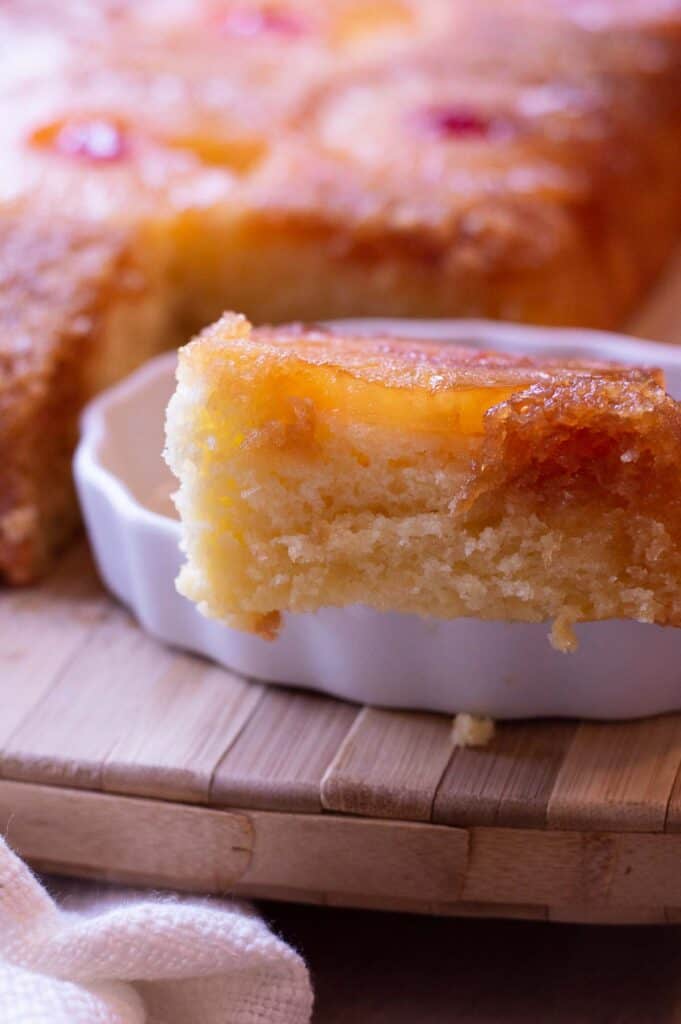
621,670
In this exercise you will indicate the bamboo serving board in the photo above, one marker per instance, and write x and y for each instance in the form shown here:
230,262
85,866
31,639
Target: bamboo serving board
123,760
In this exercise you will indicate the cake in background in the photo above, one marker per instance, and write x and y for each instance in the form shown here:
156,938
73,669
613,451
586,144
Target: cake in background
163,161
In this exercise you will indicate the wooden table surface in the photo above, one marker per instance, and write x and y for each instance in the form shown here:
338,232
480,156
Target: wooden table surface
371,968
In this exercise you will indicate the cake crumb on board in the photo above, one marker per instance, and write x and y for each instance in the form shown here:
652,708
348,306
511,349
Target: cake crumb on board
472,731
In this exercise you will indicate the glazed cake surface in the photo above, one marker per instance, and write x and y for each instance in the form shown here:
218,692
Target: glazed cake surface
78,310
323,470
427,158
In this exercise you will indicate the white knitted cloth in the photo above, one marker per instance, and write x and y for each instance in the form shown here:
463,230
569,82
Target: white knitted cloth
125,957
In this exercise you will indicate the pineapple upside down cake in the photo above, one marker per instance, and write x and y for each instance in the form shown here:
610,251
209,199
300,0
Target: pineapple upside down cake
164,160
321,469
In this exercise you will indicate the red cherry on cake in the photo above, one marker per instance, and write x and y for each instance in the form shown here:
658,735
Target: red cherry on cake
254,21
453,121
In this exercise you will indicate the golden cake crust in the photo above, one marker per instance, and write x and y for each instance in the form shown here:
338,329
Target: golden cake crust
397,362
60,287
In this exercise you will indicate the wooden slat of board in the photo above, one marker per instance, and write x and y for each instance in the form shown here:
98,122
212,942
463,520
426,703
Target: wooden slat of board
393,903
673,819
618,776
508,782
279,759
520,865
251,891
389,904
573,869
644,870
68,736
125,839
41,629
188,719
350,861
389,765
355,857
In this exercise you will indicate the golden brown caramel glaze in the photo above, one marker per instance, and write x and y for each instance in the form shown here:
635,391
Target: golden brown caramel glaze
620,438
58,286
304,374
418,363
588,451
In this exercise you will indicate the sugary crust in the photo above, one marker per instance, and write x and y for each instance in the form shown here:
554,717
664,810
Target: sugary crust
58,285
392,361
610,446
618,437
59,267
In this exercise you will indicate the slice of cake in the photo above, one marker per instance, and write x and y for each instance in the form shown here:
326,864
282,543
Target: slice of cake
318,469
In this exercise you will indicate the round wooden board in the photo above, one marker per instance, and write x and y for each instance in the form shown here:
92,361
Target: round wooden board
124,760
